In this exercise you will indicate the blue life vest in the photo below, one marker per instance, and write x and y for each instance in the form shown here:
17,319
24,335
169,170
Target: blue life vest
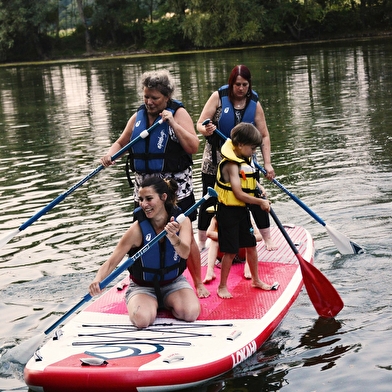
158,152
227,119
161,264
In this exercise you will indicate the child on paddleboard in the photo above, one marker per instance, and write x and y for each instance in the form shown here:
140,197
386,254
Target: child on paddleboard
237,188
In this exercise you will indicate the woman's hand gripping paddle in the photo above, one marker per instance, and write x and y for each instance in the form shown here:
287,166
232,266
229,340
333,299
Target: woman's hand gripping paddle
322,294
24,351
61,197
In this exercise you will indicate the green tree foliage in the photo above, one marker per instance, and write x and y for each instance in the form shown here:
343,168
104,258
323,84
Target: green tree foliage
31,29
24,26
165,31
224,22
118,22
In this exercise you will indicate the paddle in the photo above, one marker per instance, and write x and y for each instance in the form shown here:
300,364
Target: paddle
343,243
61,197
323,295
24,351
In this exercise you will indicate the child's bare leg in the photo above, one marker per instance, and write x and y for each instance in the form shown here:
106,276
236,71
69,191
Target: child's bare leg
266,234
212,255
247,273
202,237
227,260
251,257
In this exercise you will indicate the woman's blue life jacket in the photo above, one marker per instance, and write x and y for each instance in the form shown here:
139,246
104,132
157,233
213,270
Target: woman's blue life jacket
228,120
161,264
158,152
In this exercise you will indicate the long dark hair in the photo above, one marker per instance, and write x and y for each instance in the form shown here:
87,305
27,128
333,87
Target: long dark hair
161,186
243,71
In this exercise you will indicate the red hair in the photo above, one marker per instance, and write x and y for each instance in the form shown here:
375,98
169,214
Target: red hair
243,71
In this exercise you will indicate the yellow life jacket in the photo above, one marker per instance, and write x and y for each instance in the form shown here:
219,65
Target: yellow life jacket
246,172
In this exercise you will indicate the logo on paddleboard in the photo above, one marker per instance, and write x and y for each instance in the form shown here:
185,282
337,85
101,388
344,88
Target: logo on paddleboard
243,354
112,352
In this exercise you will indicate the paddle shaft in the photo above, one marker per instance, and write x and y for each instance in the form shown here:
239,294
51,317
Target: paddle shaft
295,198
344,244
128,263
61,197
276,182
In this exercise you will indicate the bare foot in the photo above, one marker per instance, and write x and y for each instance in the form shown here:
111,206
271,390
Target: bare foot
247,273
210,276
202,291
269,245
223,292
264,286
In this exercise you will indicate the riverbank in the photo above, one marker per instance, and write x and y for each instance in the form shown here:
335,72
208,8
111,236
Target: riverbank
124,53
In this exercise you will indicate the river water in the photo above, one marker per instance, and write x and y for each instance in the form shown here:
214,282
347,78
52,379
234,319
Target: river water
329,113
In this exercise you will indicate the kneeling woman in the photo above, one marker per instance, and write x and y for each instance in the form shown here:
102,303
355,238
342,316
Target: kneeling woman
156,277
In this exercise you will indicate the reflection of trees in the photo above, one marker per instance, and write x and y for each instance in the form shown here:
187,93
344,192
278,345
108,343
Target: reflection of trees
324,333
378,71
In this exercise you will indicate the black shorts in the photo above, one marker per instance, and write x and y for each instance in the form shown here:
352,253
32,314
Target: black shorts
187,203
235,229
204,216
260,216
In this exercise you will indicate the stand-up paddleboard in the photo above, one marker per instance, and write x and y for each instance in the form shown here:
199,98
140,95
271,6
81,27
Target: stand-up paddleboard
98,350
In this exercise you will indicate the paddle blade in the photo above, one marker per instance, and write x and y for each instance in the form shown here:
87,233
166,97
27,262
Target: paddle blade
344,245
323,295
24,351
8,237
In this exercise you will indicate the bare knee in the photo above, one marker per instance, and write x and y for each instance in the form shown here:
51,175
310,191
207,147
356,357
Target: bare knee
140,320
142,311
188,312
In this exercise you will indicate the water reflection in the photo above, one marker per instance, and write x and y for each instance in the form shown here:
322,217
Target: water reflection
268,370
